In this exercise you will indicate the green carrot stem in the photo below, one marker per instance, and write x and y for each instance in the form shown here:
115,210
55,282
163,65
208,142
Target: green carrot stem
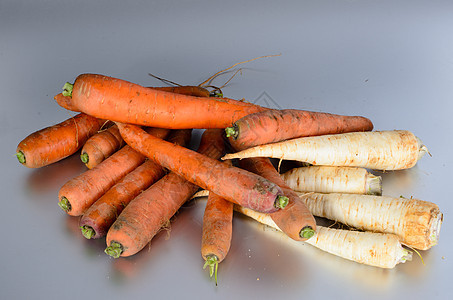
88,231
67,89
307,232
84,157
64,204
21,157
213,262
232,131
281,202
114,250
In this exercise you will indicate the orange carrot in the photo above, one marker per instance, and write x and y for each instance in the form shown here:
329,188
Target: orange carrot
126,102
271,126
100,146
143,218
217,232
56,142
232,183
76,195
295,220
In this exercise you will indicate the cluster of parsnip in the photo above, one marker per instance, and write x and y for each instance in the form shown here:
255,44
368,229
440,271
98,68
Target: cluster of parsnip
134,141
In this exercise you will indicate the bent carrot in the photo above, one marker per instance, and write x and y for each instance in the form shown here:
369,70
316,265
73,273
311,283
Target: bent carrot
380,150
100,146
229,182
272,126
126,102
416,222
56,142
76,195
381,250
326,179
295,220
143,218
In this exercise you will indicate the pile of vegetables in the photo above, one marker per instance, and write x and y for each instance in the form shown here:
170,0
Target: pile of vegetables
134,141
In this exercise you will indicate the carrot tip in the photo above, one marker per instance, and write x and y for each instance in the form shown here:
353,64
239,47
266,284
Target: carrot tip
84,157
114,250
88,231
21,157
307,232
281,202
213,262
67,89
232,131
64,204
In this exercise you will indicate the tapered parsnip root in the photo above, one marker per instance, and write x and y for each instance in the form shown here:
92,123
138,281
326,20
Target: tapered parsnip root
416,222
379,150
381,250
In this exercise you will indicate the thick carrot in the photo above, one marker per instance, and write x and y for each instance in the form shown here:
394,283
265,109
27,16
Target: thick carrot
416,222
100,146
98,218
56,142
382,250
229,182
272,126
144,217
326,179
380,150
126,102
295,220
217,232
76,195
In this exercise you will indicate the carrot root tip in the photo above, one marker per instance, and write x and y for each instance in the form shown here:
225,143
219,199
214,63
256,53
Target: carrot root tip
67,89
114,250
21,157
84,157
281,201
213,262
232,131
307,232
87,231
64,204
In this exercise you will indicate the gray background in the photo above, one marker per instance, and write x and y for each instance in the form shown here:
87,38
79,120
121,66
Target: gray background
391,61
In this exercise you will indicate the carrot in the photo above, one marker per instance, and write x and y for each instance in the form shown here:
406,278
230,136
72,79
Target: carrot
416,222
126,102
100,146
56,142
326,179
380,150
381,250
144,217
295,220
76,195
217,232
272,126
232,183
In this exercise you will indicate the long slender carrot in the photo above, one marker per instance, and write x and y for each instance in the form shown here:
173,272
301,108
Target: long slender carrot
272,126
217,232
56,142
126,102
76,195
380,150
100,146
144,217
295,220
229,182
382,250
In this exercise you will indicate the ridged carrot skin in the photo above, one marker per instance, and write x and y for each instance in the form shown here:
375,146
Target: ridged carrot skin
56,142
272,126
231,183
126,102
79,193
144,217
295,220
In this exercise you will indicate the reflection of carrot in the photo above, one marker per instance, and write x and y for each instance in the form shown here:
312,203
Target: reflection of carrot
232,183
76,195
56,142
142,219
123,101
295,220
272,126
100,146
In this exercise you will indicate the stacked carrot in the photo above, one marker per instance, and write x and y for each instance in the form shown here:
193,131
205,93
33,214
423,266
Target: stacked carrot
140,171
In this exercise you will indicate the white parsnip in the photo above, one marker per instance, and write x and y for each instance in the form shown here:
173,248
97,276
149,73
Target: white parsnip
379,150
327,179
381,250
416,222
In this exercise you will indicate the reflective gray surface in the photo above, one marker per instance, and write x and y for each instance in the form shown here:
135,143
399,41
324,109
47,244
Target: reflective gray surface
391,61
